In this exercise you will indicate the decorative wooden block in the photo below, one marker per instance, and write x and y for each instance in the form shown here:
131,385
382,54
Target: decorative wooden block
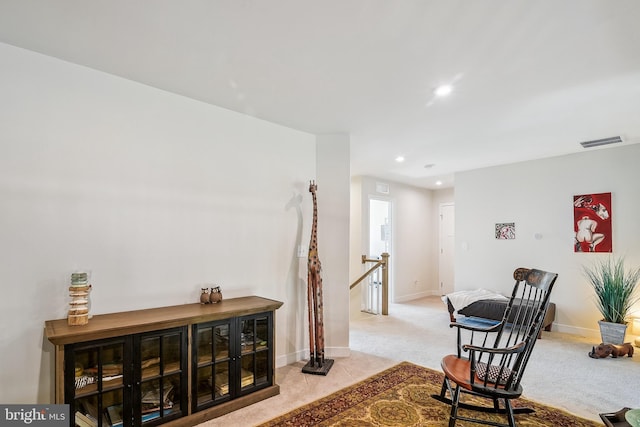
78,313
78,319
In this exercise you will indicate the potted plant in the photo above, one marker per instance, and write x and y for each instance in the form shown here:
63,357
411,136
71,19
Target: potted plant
615,290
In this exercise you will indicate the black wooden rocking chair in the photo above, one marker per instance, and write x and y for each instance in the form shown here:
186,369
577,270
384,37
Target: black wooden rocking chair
498,354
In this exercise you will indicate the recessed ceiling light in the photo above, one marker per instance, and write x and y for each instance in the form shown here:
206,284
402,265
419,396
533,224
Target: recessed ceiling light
400,159
443,90
438,182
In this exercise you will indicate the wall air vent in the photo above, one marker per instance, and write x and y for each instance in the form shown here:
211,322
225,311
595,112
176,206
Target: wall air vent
599,142
382,188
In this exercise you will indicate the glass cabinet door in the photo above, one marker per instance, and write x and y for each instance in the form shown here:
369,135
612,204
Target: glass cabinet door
255,357
212,356
161,390
231,358
95,386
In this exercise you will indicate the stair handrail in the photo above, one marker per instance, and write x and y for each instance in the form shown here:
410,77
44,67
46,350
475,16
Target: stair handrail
379,263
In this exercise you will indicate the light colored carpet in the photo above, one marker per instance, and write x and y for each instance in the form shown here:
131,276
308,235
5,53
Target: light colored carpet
559,373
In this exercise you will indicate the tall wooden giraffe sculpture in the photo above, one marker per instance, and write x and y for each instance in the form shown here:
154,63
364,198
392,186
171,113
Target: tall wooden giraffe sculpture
317,363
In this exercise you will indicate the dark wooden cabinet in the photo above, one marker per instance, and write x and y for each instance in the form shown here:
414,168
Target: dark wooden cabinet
178,365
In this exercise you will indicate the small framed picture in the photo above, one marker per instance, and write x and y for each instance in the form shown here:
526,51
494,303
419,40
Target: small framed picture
505,230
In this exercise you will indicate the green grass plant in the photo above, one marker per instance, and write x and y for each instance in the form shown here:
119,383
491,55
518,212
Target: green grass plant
615,288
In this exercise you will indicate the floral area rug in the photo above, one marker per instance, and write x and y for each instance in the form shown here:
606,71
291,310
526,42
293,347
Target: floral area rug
401,396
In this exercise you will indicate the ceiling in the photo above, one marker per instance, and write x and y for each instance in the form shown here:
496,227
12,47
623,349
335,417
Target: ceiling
531,78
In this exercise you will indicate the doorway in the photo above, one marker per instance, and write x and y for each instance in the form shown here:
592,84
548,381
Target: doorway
447,248
380,240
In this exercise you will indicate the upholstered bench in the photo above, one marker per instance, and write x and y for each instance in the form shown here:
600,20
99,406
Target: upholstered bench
493,310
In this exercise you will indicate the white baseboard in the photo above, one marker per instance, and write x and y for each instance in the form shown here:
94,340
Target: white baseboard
330,353
576,330
592,334
411,297
289,358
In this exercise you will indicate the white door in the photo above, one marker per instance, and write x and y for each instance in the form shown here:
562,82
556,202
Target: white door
380,239
447,248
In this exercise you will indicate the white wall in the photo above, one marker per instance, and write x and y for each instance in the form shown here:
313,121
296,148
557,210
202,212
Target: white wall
333,195
356,245
537,196
156,195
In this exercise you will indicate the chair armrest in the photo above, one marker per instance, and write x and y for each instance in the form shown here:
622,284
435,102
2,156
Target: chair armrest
482,330
518,348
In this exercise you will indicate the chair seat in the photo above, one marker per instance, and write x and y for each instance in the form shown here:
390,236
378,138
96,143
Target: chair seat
458,369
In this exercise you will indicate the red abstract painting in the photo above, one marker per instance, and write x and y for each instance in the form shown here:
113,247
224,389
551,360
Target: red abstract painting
592,223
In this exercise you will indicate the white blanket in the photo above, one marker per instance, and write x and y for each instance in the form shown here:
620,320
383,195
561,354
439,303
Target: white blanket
461,299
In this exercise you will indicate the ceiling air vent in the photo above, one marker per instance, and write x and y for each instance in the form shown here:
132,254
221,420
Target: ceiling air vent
598,142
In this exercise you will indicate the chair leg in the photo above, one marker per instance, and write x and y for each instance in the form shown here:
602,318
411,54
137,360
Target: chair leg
507,405
455,399
445,386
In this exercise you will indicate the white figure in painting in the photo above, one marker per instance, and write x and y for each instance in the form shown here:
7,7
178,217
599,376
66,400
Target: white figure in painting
586,233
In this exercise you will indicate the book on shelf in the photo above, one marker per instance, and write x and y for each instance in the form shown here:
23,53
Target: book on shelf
115,415
153,396
89,408
149,362
91,411
87,384
147,409
247,378
155,414
222,381
83,420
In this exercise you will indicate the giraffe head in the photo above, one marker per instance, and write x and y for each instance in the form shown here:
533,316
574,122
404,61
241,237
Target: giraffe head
312,187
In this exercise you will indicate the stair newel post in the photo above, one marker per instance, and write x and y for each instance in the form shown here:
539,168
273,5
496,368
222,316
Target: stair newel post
385,283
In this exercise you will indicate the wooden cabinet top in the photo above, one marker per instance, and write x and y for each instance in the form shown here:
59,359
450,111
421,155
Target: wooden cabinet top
152,319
